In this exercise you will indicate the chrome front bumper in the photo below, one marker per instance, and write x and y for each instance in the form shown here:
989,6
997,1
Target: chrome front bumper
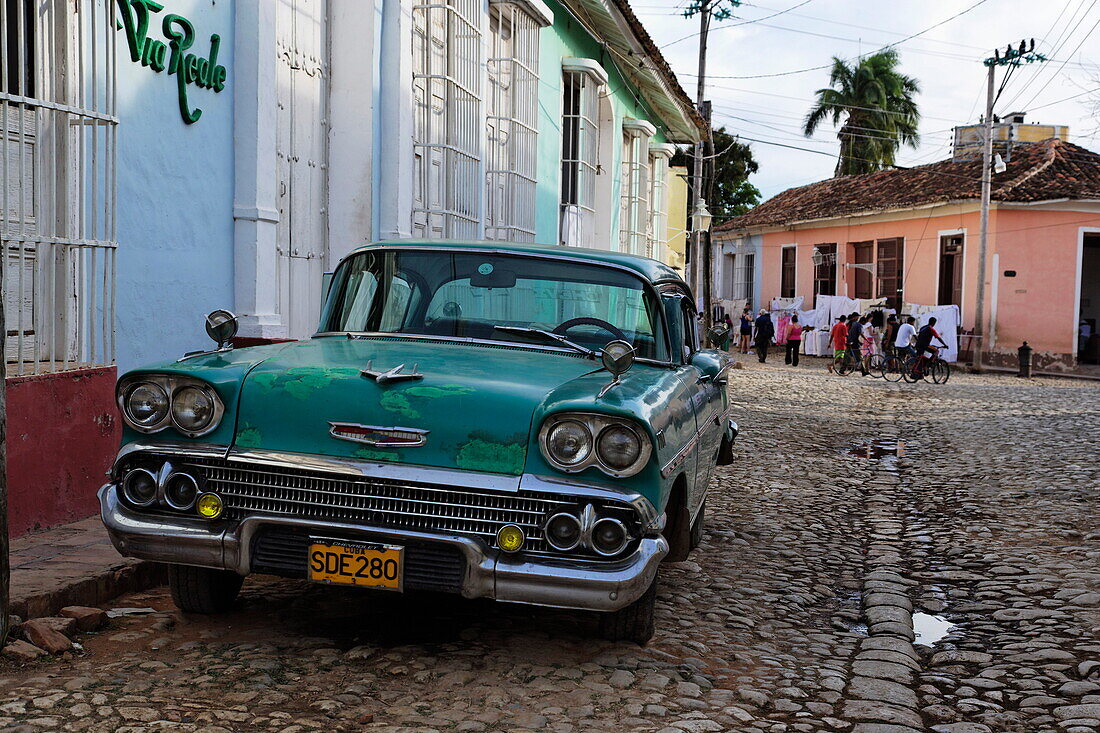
545,581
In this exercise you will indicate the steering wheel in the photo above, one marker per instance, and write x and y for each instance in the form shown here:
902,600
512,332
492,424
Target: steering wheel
563,328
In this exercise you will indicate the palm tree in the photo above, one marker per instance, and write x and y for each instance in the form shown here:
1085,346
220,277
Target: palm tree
876,102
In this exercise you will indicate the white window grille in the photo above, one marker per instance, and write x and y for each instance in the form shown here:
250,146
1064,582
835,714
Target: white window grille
659,156
57,205
634,195
581,83
746,277
512,119
447,58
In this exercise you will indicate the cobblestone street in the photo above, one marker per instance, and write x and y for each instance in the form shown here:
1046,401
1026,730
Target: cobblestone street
853,505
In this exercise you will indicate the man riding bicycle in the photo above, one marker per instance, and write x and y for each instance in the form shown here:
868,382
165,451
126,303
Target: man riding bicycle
903,342
924,339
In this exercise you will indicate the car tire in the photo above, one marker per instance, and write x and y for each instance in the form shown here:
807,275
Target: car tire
725,453
634,622
697,526
203,590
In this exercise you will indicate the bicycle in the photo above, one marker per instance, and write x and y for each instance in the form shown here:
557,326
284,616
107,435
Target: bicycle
929,368
892,367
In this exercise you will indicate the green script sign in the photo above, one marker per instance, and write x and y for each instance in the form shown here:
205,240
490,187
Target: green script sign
158,55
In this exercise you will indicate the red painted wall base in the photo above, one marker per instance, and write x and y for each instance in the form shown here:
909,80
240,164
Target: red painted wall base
63,433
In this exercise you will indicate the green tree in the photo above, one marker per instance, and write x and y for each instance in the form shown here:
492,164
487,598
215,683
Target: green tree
731,194
876,103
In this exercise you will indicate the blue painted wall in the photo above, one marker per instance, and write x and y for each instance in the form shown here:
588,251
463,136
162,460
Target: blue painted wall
567,38
175,197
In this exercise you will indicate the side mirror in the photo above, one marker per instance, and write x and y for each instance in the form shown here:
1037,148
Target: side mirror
716,334
221,326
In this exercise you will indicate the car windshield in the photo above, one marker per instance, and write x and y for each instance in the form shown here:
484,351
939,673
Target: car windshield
494,297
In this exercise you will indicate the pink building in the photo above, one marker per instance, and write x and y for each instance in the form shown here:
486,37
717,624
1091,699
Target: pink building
919,229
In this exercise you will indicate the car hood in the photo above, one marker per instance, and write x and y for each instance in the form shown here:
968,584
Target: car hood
475,400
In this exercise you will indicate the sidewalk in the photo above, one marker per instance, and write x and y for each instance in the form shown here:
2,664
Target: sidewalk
73,565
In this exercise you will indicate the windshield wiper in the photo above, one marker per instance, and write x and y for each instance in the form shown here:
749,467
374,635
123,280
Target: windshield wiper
547,336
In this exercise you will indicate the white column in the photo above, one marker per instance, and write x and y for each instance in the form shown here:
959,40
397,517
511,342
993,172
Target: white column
351,126
395,120
255,198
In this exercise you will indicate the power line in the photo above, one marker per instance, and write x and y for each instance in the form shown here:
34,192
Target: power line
811,101
734,25
1059,70
1060,41
826,66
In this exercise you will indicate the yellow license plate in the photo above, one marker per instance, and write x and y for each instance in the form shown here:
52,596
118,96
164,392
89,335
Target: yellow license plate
354,563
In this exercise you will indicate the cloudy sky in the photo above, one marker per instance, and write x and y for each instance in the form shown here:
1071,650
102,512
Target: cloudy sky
946,60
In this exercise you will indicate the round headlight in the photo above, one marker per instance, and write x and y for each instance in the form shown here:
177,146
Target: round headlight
618,447
609,536
192,409
569,443
146,404
563,532
209,506
139,487
180,491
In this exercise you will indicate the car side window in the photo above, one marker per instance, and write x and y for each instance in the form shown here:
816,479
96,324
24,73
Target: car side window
690,330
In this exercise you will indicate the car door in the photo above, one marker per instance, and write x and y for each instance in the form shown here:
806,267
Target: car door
680,435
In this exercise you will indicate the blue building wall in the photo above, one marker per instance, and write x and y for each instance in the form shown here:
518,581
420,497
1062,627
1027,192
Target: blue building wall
175,196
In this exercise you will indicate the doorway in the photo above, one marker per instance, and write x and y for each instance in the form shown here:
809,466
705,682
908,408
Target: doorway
951,265
1088,340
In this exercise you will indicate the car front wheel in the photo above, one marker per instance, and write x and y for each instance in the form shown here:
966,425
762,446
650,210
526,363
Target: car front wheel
203,590
634,622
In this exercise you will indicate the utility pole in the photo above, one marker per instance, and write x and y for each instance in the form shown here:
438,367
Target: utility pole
699,272
1012,57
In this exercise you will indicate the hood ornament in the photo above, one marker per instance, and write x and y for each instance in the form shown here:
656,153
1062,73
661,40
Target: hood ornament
390,375
377,436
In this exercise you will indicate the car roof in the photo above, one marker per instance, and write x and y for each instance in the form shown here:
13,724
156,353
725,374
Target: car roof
651,269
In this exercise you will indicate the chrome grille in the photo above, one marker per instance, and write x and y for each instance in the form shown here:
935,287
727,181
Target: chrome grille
251,490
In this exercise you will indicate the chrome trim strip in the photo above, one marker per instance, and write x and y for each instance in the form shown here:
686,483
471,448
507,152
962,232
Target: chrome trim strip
388,471
203,450
677,459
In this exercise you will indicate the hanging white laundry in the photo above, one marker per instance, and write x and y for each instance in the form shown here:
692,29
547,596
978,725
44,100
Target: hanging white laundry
947,324
787,304
842,306
866,304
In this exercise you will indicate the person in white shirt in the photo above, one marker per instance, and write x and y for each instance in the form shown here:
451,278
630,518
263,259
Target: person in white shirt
906,333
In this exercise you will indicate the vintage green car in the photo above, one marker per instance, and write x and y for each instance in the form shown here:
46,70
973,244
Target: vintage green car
527,423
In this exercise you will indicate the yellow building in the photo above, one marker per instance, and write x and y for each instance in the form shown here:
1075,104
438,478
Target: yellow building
675,253
1007,130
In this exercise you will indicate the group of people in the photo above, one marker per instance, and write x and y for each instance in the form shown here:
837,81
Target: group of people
853,333
761,335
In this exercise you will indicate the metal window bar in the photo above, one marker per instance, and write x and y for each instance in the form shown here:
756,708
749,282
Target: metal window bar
657,243
746,277
447,57
511,124
633,219
580,105
57,206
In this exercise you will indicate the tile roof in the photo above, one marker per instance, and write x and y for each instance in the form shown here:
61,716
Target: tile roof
1042,171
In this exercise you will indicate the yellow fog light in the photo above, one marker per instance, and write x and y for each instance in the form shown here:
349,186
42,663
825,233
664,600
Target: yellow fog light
510,538
209,506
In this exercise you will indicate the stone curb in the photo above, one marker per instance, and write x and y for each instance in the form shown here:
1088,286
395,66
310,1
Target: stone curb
126,576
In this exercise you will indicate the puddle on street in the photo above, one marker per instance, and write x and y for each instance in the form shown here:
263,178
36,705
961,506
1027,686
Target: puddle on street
929,629
878,449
